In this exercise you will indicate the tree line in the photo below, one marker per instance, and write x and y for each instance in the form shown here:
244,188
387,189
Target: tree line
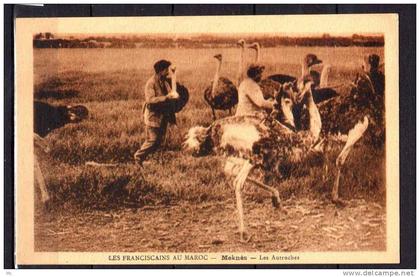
48,40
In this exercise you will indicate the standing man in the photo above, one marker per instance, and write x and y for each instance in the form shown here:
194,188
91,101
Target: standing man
250,96
375,75
156,111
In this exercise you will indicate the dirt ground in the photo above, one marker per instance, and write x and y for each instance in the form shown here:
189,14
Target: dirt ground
300,225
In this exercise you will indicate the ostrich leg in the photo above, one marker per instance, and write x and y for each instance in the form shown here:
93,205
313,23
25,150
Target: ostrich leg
214,113
275,196
238,184
41,146
353,136
39,179
324,76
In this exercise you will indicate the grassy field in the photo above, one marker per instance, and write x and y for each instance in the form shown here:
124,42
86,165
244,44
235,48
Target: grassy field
110,83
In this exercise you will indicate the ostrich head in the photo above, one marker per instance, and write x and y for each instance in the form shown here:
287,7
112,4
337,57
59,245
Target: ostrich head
241,43
311,60
197,141
77,113
284,108
218,57
254,46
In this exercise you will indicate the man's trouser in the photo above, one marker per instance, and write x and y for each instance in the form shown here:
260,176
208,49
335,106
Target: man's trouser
154,138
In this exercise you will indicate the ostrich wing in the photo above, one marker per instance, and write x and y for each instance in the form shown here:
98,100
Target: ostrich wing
225,95
237,134
176,105
354,135
269,88
323,94
282,78
173,105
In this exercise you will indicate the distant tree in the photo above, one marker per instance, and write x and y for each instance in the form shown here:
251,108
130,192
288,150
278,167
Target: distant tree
39,36
49,35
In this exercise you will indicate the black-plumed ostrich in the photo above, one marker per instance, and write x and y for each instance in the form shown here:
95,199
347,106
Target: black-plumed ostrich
258,144
174,105
46,119
177,104
222,93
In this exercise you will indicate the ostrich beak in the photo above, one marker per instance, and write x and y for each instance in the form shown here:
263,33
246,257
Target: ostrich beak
317,61
172,69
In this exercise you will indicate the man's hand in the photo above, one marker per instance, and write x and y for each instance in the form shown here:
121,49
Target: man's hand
173,95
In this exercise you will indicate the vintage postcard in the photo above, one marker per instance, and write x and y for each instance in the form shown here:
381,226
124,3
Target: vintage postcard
207,140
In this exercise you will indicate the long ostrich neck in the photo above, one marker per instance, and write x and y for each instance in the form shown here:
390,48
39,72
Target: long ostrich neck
241,60
216,77
257,54
173,81
305,69
324,76
315,123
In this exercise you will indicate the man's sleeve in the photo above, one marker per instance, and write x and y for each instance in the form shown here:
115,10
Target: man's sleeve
151,97
257,98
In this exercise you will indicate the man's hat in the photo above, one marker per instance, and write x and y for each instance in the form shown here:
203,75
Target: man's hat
312,59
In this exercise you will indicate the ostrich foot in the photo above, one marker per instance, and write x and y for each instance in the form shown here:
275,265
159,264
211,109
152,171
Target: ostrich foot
245,238
275,200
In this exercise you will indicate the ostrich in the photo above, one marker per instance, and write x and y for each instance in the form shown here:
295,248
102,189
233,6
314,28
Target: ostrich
255,144
177,103
280,78
47,118
242,44
222,93
268,87
320,91
340,113
308,62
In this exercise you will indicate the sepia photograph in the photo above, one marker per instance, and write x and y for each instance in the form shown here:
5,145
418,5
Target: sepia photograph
228,140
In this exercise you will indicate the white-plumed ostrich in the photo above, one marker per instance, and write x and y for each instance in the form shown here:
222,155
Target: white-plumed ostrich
254,144
340,113
222,93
